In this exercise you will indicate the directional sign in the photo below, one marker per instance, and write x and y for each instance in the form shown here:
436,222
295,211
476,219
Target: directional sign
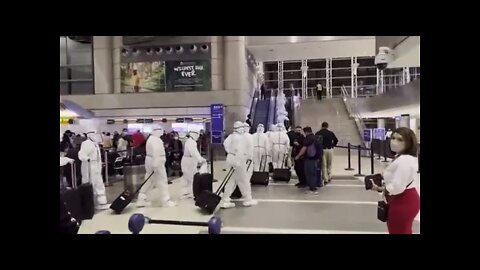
379,133
217,115
367,135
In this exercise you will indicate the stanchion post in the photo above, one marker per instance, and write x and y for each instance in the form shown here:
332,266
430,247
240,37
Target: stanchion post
349,162
372,160
107,183
359,162
385,152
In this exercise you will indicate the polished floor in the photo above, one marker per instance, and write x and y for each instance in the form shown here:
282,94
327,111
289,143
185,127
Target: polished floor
342,207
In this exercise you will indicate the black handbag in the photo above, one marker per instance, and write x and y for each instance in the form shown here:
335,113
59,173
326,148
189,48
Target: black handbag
382,208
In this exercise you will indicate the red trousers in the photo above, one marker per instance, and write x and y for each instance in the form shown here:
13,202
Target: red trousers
403,208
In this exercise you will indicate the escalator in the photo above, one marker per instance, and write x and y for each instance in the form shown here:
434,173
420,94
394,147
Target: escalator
261,113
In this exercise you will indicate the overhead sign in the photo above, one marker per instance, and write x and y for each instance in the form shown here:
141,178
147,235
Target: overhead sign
367,135
217,116
379,133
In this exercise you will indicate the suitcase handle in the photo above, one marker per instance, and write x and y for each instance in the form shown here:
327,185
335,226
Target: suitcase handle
225,181
74,175
140,187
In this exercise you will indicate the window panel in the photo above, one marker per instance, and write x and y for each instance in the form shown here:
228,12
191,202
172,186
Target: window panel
316,64
82,88
289,84
317,74
270,66
344,62
271,85
292,75
313,83
292,65
341,73
81,72
340,82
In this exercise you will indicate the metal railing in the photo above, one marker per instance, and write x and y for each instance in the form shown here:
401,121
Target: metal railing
355,113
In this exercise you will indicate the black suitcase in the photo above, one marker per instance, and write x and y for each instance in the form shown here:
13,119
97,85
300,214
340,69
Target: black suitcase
282,174
79,200
207,200
201,182
262,177
126,197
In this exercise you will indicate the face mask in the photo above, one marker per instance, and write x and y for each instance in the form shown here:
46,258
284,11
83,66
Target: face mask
176,138
397,146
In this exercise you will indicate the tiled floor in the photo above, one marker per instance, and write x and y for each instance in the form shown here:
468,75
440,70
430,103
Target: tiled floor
344,206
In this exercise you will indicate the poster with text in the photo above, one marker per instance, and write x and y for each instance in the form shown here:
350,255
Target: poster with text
143,77
194,75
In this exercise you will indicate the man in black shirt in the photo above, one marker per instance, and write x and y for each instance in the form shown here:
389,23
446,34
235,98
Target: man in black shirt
311,156
296,141
329,142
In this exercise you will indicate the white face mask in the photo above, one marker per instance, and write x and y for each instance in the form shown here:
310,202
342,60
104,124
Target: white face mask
396,145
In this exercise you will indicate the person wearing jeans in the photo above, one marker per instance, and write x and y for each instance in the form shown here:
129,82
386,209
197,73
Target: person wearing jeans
310,160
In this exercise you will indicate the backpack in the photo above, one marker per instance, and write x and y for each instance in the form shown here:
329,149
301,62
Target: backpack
316,146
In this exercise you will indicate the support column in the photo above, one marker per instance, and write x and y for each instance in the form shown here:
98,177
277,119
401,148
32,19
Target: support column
380,122
328,69
353,75
217,63
405,120
380,82
103,64
235,78
116,55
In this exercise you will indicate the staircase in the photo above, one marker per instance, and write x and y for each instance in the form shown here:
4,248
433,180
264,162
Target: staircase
261,113
333,111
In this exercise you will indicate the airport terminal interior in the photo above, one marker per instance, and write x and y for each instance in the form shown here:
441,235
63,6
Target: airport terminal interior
239,134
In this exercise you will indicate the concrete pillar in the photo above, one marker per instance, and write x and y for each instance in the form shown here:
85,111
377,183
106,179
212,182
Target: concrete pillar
103,64
397,121
380,122
405,120
235,64
117,45
235,77
217,63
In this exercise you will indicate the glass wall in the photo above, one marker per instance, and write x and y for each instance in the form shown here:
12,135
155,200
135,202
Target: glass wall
341,75
76,66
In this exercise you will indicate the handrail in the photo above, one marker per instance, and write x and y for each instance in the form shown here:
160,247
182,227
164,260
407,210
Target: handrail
353,111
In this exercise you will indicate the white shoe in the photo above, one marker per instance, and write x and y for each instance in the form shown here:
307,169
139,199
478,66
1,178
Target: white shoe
143,203
250,203
102,206
169,204
186,196
227,205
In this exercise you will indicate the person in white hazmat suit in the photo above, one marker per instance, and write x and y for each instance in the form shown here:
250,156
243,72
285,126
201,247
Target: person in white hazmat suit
155,163
281,128
249,150
191,158
280,144
261,148
91,169
236,146
270,133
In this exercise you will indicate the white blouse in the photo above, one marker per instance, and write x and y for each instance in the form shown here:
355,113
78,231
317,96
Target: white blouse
400,173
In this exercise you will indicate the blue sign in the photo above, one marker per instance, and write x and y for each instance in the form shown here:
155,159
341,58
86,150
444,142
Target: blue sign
367,135
379,133
217,115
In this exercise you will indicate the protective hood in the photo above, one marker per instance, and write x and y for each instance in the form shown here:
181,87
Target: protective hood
260,128
158,132
194,134
238,127
94,136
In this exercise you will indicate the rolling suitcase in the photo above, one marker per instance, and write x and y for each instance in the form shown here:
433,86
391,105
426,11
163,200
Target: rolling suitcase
207,200
202,181
262,177
282,174
126,197
79,200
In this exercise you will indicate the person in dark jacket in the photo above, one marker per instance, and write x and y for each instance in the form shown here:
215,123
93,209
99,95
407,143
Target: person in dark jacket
296,141
329,142
67,171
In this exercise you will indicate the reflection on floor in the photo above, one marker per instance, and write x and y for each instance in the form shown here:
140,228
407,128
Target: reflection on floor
342,207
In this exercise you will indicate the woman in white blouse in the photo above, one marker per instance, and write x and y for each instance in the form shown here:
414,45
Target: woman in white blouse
398,186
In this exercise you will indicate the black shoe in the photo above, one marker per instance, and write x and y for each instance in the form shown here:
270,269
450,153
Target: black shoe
170,182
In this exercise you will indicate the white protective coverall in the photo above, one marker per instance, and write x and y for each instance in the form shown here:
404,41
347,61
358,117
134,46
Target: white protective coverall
236,146
249,150
261,148
191,158
122,145
91,169
155,162
280,144
270,133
